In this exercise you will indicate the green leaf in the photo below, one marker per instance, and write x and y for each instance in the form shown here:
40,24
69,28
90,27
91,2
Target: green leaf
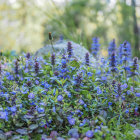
74,63
89,96
102,120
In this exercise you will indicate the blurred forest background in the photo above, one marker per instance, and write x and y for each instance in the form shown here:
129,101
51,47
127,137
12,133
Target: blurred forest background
24,24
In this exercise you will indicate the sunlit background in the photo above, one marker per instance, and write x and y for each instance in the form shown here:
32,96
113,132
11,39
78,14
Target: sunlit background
24,24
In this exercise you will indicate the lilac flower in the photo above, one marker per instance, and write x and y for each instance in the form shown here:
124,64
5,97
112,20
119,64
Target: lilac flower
59,98
89,133
71,121
31,96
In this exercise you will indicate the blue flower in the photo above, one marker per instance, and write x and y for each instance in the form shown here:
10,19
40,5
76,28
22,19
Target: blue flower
54,110
59,98
40,110
123,97
127,111
36,82
85,105
98,72
89,73
46,85
99,91
32,103
4,115
124,86
69,94
81,102
81,124
63,61
13,92
13,109
104,78
31,96
96,130
71,121
117,96
136,109
138,94
109,103
69,117
89,133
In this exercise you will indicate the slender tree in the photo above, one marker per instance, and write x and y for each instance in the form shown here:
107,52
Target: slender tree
135,29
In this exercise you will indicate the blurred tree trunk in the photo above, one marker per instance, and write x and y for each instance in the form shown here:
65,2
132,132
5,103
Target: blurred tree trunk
135,28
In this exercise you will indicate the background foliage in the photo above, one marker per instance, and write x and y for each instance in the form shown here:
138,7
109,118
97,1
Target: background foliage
25,24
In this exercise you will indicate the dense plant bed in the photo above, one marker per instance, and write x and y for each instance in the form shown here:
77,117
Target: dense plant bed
57,96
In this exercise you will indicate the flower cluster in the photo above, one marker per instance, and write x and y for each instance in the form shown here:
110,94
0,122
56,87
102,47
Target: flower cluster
95,46
59,96
112,47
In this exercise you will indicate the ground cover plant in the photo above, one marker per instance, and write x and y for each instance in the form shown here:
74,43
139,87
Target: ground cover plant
60,97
